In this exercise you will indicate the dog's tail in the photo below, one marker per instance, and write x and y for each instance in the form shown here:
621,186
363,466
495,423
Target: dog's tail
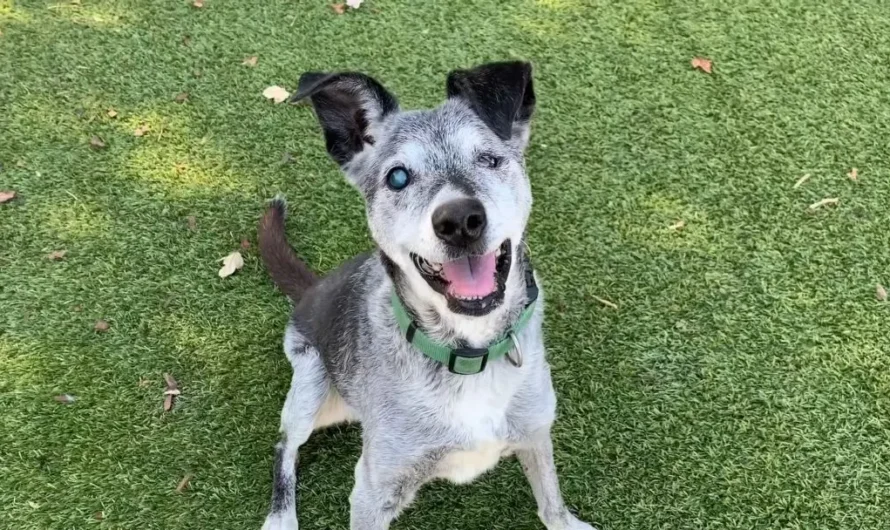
288,271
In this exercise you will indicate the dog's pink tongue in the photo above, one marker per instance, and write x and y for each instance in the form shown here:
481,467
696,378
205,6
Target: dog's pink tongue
471,276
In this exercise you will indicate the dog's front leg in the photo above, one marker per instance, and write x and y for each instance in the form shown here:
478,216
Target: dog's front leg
386,482
536,457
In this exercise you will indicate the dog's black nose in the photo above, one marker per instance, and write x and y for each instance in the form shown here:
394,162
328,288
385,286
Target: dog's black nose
460,222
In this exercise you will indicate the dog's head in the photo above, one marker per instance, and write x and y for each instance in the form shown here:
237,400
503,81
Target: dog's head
446,191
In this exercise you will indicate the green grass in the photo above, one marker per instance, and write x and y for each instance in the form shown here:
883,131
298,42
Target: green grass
743,383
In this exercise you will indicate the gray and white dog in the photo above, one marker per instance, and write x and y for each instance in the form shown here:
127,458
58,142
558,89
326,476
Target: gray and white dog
447,203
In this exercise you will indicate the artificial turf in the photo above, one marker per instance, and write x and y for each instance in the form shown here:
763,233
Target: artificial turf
742,383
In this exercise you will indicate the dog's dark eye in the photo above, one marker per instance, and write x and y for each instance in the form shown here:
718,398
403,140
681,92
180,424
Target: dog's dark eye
397,178
488,160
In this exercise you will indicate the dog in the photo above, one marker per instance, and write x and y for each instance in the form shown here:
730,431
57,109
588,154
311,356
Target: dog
433,342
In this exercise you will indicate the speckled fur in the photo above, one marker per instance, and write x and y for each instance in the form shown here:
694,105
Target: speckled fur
351,363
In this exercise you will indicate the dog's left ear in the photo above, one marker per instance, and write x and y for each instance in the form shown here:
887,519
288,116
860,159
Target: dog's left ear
349,107
501,94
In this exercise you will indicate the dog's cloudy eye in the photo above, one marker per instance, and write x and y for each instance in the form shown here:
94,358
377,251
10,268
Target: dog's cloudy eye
489,161
397,178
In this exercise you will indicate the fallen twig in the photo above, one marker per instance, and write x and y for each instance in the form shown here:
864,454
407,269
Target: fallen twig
605,302
170,393
828,201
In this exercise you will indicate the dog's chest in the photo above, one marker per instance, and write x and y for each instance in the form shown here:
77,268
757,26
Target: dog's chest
477,416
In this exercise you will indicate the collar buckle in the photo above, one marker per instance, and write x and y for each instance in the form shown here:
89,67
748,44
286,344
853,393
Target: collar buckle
467,361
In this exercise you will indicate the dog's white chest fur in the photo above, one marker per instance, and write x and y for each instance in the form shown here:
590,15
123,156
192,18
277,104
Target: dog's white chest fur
477,413
464,466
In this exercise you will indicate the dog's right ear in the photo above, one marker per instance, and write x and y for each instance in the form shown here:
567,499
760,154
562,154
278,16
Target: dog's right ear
350,106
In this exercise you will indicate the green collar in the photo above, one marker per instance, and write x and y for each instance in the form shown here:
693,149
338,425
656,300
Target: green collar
467,361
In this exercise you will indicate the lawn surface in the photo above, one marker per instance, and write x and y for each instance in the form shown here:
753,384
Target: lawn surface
742,383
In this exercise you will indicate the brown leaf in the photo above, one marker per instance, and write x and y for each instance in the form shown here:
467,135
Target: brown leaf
141,130
99,516
97,143
702,64
186,40
678,225
245,244
182,97
56,255
101,326
339,8
170,392
605,302
192,222
231,263
276,93
6,196
881,293
828,201
183,484
250,61
111,113
198,4
65,399
853,174
801,180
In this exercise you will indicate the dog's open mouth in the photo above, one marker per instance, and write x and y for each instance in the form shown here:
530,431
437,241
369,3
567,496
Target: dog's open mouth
472,285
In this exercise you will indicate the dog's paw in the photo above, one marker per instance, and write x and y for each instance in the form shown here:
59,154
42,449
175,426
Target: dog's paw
281,521
569,522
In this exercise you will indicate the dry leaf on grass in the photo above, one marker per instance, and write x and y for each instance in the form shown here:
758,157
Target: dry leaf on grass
33,505
250,61
192,222
339,8
111,113
276,93
245,244
828,201
853,174
170,392
141,130
678,225
801,180
101,326
143,382
605,302
6,196
99,516
183,484
65,399
56,255
881,293
182,97
702,64
97,143
354,4
231,263
198,3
